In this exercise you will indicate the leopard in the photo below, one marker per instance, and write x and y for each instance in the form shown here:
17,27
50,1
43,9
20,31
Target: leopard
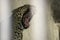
21,17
